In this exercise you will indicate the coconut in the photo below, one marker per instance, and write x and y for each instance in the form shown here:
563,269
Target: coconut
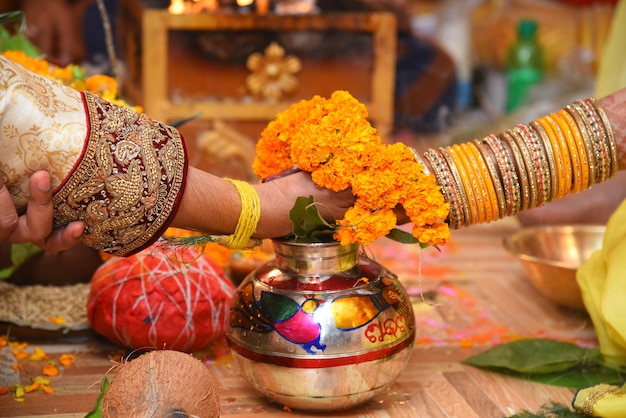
161,383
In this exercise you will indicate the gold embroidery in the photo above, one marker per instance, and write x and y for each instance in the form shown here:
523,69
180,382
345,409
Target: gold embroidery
43,128
600,392
127,182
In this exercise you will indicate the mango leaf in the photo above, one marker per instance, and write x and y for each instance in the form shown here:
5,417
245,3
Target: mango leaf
20,253
404,237
549,361
307,221
97,410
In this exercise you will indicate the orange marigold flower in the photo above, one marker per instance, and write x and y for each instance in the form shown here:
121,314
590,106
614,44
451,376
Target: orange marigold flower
67,359
50,370
32,387
38,355
101,84
333,140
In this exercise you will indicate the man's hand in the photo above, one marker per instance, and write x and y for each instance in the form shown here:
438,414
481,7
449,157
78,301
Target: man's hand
36,224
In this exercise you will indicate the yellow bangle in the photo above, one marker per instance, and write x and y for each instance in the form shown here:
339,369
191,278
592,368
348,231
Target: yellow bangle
589,146
495,177
573,152
564,182
248,217
580,146
458,172
469,183
484,181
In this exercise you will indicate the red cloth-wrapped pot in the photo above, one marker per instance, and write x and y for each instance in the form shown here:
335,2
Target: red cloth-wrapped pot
165,297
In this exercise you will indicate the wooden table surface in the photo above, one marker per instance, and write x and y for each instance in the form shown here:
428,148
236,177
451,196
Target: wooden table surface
468,297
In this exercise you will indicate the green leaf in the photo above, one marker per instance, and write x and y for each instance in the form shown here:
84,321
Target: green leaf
306,219
96,412
20,253
402,236
549,361
17,41
13,17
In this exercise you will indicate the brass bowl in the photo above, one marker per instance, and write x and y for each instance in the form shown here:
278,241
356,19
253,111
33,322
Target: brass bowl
551,256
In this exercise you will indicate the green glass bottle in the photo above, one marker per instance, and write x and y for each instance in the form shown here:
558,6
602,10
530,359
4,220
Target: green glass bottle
524,64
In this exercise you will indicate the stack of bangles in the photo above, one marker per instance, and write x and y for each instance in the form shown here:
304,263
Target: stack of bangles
527,166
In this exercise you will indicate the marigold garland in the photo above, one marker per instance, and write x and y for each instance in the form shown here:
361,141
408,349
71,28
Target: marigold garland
334,141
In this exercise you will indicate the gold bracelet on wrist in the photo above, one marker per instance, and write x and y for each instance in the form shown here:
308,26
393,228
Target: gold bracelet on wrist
592,151
583,155
495,176
508,174
449,188
609,134
484,178
472,182
461,188
539,160
570,142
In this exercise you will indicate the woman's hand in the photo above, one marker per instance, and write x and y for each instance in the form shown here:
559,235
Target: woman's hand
36,224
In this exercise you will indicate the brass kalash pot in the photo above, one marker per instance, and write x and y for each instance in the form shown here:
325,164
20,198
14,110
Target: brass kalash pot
321,327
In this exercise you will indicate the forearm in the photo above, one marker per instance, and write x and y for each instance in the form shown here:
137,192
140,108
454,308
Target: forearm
615,107
212,205
532,164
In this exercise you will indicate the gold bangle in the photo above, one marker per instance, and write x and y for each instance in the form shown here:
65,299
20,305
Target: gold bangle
596,134
248,217
492,211
448,187
478,182
597,127
583,155
561,141
561,145
454,174
592,151
468,183
520,167
530,168
495,177
477,191
419,160
538,160
562,187
567,134
609,133
549,152
463,184
508,174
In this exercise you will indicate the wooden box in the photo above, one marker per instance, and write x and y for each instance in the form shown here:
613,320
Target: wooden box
177,66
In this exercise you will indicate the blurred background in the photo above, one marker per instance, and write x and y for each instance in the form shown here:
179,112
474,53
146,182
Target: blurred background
455,69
